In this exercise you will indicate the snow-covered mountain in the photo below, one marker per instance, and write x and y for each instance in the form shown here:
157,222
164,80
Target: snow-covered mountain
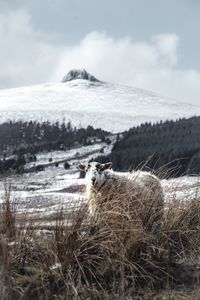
84,100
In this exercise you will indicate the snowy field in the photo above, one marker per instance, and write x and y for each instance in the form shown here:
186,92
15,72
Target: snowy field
182,188
42,194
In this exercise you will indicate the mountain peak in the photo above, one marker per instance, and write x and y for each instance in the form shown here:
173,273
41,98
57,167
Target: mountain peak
79,74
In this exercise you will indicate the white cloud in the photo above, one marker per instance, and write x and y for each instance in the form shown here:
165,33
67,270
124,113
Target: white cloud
27,57
166,45
150,65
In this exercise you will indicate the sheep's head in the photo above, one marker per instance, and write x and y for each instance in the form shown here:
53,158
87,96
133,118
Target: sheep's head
95,173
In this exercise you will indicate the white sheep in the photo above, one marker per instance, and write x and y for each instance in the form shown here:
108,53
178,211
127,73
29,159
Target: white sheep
138,194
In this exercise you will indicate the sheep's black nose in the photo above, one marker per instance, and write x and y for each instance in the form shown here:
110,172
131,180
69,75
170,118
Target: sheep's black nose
93,180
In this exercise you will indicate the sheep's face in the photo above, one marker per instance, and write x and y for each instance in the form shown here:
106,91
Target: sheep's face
95,175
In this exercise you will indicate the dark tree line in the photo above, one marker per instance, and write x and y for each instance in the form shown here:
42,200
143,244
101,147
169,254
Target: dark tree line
25,139
173,144
22,137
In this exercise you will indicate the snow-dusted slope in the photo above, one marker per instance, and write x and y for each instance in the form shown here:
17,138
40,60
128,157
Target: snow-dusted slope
84,102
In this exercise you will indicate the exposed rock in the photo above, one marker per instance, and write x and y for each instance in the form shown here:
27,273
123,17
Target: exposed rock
79,74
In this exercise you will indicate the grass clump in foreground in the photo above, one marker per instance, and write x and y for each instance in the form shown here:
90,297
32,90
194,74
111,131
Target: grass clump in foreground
101,259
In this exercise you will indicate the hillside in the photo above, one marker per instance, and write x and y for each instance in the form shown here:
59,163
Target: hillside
84,100
175,145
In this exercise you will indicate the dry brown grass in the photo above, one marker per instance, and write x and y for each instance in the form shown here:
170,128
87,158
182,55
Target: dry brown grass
117,257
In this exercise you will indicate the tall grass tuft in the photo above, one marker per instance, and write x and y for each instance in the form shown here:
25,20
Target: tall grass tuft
7,221
114,257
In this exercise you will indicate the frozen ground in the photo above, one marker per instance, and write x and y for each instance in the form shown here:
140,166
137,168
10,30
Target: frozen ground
182,188
42,194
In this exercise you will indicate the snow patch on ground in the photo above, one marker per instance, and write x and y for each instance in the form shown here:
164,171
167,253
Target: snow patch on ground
46,191
182,188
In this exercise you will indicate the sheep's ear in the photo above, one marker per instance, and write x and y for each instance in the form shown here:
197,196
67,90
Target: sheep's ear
82,167
106,166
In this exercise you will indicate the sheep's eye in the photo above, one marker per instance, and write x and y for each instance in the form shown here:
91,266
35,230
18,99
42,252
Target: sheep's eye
98,166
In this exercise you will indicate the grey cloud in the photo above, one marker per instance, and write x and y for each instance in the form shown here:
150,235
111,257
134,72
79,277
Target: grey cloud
129,42
67,21
24,58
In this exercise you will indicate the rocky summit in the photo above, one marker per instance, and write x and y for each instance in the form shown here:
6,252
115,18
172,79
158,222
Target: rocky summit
79,74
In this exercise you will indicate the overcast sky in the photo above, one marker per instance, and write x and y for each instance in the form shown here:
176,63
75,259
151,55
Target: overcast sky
151,44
